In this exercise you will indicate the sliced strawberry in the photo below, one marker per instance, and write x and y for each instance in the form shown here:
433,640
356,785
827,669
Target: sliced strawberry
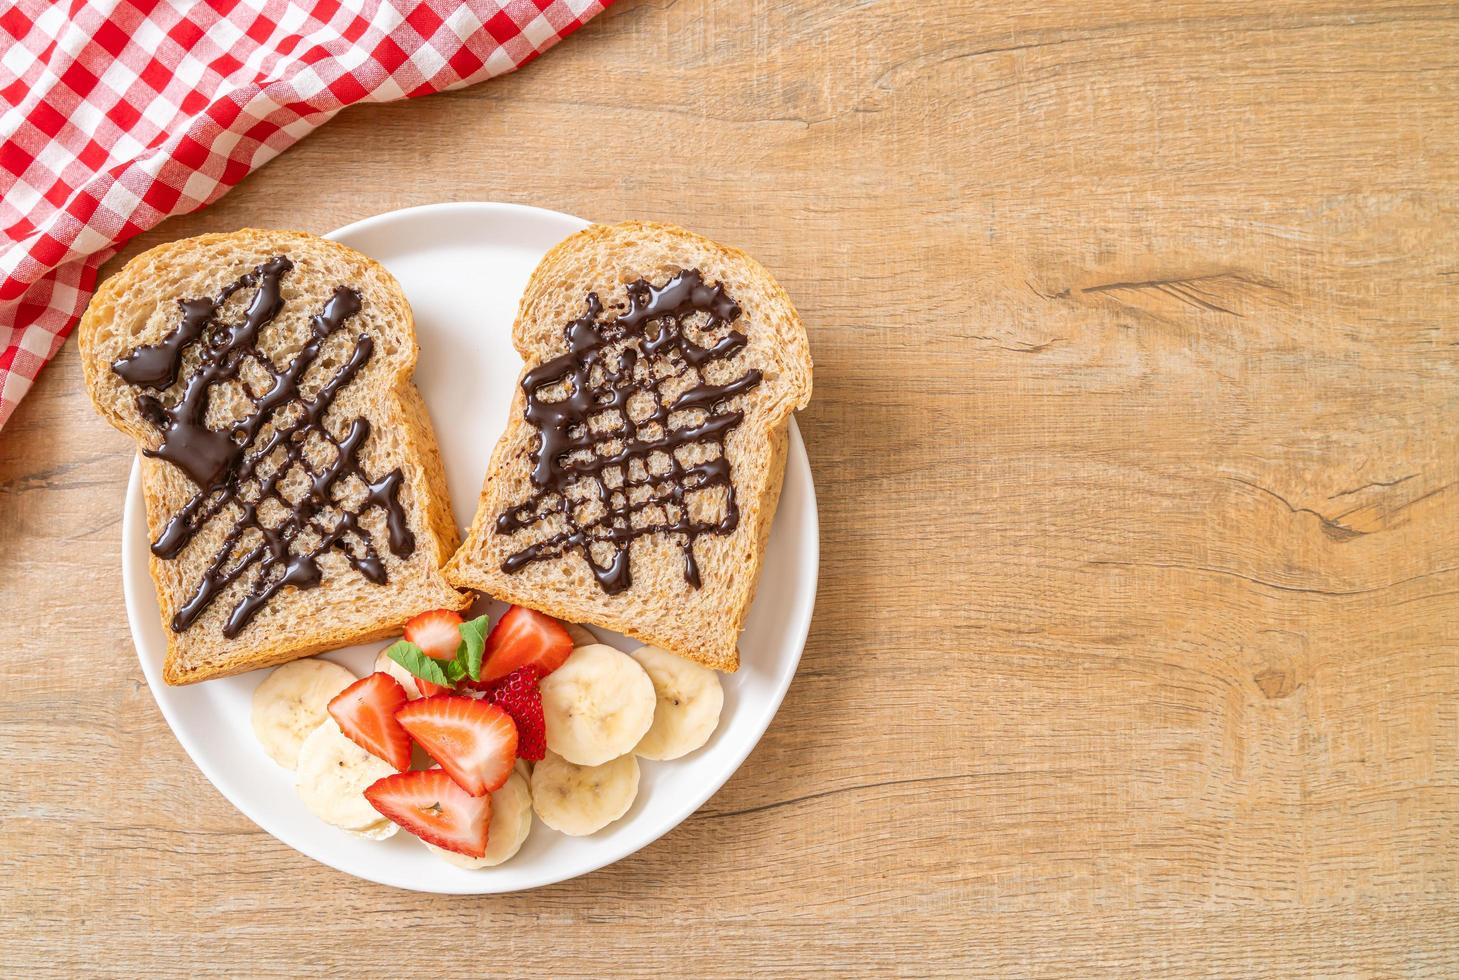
524,636
366,711
428,688
518,696
429,804
475,742
436,633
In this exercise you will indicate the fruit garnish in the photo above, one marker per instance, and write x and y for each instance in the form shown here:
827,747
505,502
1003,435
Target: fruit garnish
467,664
429,804
434,674
597,705
291,702
413,659
436,633
517,695
365,711
524,636
580,800
427,689
331,779
690,700
475,742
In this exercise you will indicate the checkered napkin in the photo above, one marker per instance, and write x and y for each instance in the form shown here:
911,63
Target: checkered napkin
115,114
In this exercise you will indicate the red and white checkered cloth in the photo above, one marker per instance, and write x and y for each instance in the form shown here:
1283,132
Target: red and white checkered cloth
115,114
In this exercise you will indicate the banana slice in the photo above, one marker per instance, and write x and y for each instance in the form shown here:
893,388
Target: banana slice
597,705
406,678
380,831
581,800
291,702
511,821
581,636
333,774
689,702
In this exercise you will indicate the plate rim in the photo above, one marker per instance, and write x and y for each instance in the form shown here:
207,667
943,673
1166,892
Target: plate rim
798,631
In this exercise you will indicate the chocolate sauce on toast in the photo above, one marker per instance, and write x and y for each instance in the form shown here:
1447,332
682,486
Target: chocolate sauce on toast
243,467
609,362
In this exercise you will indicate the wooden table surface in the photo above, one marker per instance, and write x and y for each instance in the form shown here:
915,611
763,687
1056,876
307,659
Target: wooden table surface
1136,651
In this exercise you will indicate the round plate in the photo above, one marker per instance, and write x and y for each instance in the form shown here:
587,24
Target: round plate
463,267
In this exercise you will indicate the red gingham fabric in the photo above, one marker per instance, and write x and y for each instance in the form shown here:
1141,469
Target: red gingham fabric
115,114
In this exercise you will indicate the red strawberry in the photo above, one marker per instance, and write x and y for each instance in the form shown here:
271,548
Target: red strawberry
428,688
517,695
475,742
430,805
524,636
436,633
366,711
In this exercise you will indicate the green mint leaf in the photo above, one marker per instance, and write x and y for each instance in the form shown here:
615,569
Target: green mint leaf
455,671
473,640
410,656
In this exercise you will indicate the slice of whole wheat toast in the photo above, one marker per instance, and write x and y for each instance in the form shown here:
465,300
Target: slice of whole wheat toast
550,531
341,323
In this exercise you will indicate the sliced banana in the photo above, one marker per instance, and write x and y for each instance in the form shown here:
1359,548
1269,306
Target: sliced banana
689,702
581,636
332,777
380,831
406,678
597,705
291,702
511,821
581,800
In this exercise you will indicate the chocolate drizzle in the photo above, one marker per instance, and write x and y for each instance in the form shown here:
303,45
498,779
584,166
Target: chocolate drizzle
236,469
589,438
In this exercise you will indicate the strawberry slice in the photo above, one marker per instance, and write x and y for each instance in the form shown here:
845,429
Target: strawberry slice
428,688
429,804
518,696
365,712
521,637
436,633
475,742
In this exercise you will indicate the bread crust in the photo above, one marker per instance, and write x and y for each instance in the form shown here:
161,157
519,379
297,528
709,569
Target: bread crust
709,640
434,528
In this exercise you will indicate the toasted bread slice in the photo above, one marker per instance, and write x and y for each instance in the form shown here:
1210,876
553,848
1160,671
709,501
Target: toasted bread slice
289,345
607,513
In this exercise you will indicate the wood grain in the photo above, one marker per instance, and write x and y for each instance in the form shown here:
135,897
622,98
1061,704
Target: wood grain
1136,331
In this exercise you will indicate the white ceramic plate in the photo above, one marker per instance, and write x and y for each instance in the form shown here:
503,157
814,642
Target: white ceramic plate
463,267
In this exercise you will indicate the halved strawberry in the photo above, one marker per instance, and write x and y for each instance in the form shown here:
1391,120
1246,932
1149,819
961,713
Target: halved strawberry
524,636
518,696
365,712
436,633
429,804
428,688
475,742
